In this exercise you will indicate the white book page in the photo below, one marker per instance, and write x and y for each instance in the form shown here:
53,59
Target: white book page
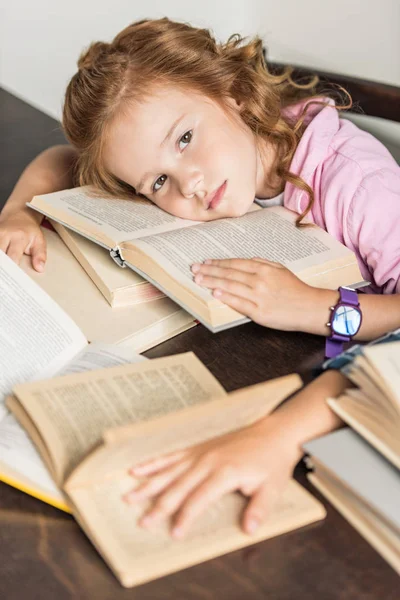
118,219
18,452
267,233
101,356
37,337
16,448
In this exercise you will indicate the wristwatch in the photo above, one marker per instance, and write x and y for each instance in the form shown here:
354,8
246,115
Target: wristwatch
345,321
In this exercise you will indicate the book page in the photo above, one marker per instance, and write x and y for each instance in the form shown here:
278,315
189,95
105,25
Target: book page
21,462
268,233
360,467
112,220
378,429
37,337
68,284
72,412
367,379
359,514
137,555
385,358
101,356
19,459
137,442
121,287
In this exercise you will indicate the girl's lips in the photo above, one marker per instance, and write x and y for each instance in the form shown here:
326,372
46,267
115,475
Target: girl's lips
218,195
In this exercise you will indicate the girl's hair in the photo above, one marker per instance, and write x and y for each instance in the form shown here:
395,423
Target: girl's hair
150,52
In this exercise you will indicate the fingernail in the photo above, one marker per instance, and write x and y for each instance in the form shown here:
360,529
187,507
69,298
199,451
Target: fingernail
195,267
198,278
217,293
40,266
252,525
208,261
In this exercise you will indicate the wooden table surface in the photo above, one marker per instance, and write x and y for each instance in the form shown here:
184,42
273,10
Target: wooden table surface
43,553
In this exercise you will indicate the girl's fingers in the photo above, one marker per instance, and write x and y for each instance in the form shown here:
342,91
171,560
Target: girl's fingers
257,510
223,273
208,492
168,502
157,464
233,287
239,264
38,253
158,483
268,262
4,243
16,249
243,305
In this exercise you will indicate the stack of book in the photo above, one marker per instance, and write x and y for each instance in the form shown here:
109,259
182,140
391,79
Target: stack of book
358,468
109,304
161,248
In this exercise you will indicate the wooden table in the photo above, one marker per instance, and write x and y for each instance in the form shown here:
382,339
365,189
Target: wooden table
43,553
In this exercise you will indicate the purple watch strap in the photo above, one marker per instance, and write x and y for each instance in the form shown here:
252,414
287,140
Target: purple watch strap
348,296
334,343
333,347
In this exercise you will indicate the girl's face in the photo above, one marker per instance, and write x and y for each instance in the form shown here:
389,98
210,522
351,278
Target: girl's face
186,154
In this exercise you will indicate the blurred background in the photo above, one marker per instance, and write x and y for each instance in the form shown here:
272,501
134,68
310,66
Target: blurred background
40,40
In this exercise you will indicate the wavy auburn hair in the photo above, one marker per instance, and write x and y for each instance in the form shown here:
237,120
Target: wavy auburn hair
158,52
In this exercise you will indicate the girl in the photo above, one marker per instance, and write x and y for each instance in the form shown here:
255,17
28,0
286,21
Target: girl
202,130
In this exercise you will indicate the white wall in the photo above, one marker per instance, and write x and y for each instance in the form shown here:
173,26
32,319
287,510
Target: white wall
41,39
354,37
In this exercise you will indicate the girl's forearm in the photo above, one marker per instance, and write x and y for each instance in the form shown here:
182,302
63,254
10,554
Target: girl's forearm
307,415
381,313
50,171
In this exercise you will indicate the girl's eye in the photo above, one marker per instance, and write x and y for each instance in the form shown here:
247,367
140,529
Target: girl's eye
183,142
185,139
159,183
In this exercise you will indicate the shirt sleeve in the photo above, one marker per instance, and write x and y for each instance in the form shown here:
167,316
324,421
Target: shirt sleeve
373,224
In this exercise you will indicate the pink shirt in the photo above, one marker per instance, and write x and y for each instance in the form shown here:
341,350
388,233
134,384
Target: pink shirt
356,184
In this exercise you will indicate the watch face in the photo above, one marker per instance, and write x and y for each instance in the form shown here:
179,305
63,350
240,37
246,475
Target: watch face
346,320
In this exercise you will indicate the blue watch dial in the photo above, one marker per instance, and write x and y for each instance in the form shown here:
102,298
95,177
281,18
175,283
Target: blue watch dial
346,320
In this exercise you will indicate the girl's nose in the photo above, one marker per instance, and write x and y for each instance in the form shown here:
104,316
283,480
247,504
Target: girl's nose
191,185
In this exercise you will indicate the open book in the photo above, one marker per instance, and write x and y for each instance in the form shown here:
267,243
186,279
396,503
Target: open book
362,485
90,428
37,340
120,287
161,248
139,327
373,407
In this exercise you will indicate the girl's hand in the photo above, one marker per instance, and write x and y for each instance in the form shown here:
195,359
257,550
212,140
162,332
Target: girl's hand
257,461
20,234
265,291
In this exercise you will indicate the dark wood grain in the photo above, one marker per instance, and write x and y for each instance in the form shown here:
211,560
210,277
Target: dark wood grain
45,556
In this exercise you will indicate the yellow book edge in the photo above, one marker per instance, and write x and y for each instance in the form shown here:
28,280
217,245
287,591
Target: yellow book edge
31,491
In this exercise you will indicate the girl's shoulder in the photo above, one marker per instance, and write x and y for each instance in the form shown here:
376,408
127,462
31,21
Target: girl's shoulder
361,151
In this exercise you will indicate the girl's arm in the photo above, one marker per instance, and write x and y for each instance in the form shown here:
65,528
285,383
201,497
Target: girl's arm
273,296
258,461
20,233
381,313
